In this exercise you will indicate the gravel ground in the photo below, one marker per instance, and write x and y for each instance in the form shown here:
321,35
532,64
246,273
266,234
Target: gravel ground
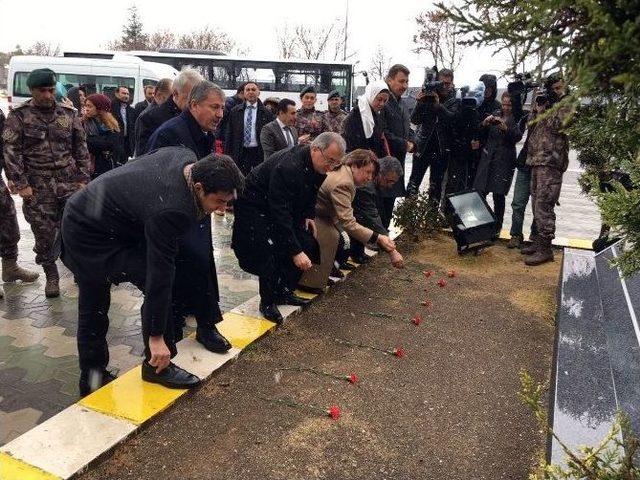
447,410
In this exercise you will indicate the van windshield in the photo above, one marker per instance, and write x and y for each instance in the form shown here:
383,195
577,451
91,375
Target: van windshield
93,83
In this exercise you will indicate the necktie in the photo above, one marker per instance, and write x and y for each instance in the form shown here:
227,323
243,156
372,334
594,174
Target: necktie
248,126
289,136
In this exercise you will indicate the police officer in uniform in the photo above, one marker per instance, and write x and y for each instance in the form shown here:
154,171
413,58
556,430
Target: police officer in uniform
309,122
548,157
46,158
334,116
10,233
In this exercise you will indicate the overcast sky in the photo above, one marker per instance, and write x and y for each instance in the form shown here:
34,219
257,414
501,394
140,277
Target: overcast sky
82,25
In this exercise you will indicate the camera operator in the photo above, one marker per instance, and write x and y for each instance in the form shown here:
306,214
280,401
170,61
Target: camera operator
463,162
548,156
434,114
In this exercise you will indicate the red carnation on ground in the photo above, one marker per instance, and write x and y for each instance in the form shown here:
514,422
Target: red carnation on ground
353,378
417,320
334,412
399,352
427,273
442,283
452,274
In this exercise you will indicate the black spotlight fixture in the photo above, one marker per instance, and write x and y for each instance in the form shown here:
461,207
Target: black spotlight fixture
471,220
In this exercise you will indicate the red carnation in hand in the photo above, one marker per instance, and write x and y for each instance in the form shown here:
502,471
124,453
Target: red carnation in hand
334,412
427,273
442,283
353,378
417,320
398,352
452,273
426,303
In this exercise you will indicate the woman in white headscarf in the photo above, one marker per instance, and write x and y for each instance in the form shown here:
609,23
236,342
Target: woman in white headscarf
363,127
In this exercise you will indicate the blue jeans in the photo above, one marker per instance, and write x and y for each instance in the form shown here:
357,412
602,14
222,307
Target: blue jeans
521,194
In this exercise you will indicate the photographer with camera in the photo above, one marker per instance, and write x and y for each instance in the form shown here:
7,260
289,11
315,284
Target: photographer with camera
434,114
548,157
498,157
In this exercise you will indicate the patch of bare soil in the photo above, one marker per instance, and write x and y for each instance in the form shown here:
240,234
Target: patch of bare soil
447,410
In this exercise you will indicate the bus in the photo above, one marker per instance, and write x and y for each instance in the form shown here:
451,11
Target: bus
97,75
276,78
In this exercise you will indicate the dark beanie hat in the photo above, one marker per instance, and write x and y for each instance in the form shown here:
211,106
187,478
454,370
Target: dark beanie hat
308,89
41,77
101,102
333,94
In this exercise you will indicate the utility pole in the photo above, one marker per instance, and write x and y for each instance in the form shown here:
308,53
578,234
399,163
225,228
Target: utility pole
346,33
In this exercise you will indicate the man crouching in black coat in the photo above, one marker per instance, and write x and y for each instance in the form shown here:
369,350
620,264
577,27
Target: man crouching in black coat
274,229
126,226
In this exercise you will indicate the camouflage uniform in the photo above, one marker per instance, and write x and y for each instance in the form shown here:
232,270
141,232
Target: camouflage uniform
334,121
310,122
9,230
45,149
548,155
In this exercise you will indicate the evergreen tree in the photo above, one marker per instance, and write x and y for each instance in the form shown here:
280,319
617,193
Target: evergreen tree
133,36
596,43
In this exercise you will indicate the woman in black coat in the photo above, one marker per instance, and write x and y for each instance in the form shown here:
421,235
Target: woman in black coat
104,141
498,157
363,127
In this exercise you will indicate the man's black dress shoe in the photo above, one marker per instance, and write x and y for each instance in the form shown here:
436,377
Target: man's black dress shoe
364,258
336,273
271,312
92,379
171,377
347,266
291,298
212,340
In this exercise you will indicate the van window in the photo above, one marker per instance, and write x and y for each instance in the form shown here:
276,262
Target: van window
148,81
93,83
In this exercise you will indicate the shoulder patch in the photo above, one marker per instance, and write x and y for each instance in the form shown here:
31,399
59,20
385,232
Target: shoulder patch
63,121
9,135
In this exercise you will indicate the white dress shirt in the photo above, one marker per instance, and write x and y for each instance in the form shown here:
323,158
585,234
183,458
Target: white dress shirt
286,131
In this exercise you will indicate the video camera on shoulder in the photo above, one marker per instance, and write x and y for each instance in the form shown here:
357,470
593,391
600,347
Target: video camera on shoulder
522,84
431,84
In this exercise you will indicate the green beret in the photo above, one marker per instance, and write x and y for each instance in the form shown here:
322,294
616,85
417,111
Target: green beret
42,77
333,94
309,89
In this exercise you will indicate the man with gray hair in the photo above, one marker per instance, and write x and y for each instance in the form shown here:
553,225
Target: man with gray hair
368,204
196,275
274,229
178,101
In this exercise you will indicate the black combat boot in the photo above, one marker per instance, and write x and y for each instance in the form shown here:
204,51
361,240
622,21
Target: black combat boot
52,287
532,247
543,254
11,272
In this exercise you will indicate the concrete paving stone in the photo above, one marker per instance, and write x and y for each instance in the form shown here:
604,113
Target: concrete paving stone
16,422
195,359
64,444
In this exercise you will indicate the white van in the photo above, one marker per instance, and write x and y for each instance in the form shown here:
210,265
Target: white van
97,75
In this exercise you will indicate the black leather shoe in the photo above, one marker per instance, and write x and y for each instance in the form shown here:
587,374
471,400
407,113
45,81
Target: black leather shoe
291,298
212,340
336,273
364,258
271,312
91,380
171,377
347,266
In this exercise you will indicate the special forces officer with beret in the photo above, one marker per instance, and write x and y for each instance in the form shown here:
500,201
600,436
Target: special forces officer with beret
334,116
309,122
46,158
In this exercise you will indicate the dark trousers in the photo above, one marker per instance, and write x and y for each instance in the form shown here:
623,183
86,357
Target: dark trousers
438,166
257,250
498,209
94,298
521,194
546,183
250,158
386,213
